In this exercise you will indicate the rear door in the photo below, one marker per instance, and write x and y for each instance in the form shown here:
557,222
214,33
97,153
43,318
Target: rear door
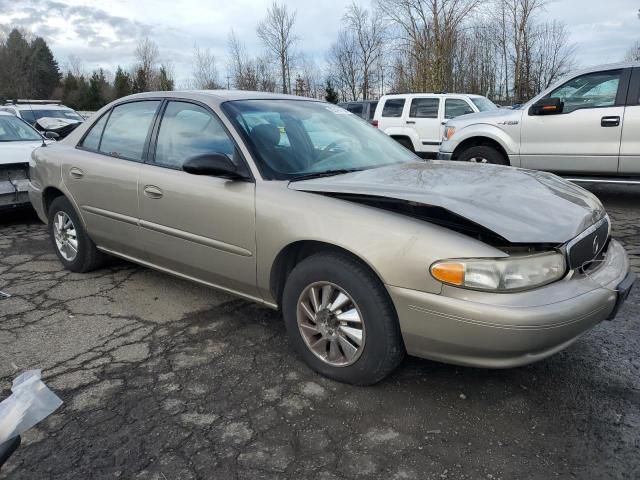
630,144
202,227
424,118
585,137
102,174
391,115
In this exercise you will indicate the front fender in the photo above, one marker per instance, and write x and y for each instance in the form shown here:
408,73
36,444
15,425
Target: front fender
508,138
399,249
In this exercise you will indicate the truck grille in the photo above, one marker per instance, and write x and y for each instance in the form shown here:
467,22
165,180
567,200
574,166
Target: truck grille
588,246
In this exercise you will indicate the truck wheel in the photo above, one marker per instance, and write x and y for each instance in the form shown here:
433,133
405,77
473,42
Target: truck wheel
340,319
75,250
405,142
483,154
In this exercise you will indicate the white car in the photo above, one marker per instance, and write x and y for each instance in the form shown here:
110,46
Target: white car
584,127
17,140
416,120
45,116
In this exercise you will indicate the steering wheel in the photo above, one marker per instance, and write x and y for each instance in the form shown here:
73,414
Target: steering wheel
335,143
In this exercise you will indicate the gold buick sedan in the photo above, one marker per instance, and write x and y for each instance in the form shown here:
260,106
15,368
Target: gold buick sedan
369,251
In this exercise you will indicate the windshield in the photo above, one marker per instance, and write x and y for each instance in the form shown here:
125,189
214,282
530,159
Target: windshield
297,138
484,104
12,129
36,114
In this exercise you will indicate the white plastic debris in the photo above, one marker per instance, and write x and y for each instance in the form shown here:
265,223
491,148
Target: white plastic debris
30,402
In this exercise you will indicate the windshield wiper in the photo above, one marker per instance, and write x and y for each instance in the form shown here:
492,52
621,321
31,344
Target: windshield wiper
325,173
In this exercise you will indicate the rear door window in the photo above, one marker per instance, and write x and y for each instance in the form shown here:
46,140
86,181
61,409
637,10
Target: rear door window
393,107
424,108
128,128
91,140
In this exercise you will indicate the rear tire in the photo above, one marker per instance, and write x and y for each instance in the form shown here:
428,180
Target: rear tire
381,348
72,236
483,154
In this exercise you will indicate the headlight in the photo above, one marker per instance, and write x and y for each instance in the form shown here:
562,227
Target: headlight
501,274
448,133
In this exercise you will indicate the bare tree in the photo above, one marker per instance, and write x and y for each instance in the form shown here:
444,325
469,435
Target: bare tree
344,60
633,54
553,55
75,65
428,30
204,70
276,34
368,30
147,55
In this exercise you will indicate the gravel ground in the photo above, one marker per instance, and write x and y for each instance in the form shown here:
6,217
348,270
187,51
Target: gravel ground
163,379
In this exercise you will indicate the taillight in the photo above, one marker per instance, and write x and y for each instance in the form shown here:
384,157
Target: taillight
375,123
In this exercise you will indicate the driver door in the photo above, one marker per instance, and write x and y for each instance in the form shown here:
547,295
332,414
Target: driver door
201,227
585,137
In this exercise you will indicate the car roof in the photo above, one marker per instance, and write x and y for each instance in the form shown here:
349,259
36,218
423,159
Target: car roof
37,106
429,94
218,96
6,114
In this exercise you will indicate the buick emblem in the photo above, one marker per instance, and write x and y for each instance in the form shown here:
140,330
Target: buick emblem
596,244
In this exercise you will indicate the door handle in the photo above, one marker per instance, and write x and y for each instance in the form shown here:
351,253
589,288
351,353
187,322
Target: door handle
410,122
152,191
610,121
76,172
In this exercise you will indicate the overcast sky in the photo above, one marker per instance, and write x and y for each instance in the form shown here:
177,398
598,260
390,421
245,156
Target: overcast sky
104,33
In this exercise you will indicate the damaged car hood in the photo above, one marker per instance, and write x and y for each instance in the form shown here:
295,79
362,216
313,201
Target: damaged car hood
521,206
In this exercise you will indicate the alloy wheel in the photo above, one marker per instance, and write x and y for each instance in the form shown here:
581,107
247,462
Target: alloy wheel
65,236
479,160
331,324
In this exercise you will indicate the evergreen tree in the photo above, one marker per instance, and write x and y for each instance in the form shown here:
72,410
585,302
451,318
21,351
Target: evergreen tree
44,70
98,87
140,82
331,95
14,73
164,81
122,84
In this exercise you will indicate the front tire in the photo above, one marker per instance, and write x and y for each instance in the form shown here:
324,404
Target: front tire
75,250
483,154
340,319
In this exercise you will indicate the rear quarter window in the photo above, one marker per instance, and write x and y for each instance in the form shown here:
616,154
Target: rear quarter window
393,107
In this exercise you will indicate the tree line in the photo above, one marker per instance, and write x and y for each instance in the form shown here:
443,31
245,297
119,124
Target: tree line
504,49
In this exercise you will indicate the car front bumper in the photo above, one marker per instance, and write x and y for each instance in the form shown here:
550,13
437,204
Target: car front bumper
13,186
492,330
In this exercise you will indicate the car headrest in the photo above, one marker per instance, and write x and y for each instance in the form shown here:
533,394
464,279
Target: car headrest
266,134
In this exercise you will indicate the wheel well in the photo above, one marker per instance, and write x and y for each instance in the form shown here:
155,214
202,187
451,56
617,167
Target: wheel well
293,254
48,196
401,137
477,142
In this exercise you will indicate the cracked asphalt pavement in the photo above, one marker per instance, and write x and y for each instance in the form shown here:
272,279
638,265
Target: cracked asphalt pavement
163,379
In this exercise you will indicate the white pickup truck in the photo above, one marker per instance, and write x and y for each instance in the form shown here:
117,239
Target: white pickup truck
584,127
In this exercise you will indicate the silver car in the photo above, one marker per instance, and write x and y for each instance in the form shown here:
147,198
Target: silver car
369,251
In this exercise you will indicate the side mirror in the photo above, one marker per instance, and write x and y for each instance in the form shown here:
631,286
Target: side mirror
547,106
51,135
213,164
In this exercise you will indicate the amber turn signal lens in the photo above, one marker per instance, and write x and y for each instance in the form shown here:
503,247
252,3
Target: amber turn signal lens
449,272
